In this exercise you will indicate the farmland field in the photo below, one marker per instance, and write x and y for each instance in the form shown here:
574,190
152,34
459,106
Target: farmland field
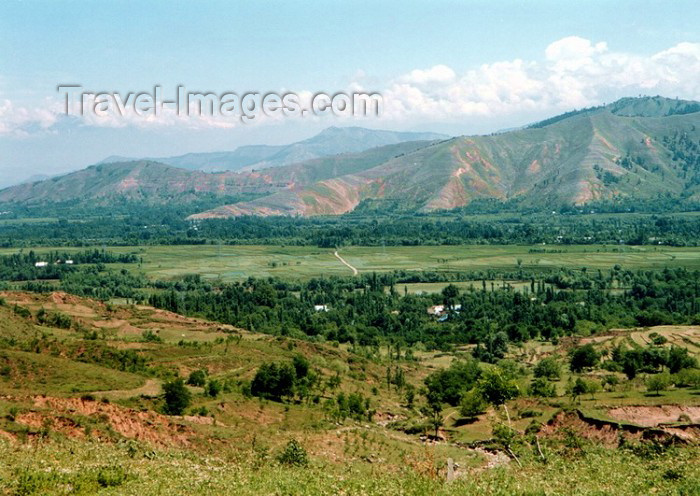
232,263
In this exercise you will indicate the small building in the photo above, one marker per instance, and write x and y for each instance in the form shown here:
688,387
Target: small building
440,310
321,308
436,310
41,264
69,262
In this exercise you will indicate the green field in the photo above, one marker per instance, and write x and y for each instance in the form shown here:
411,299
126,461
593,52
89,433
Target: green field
231,263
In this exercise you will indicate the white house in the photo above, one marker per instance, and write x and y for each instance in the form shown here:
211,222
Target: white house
438,310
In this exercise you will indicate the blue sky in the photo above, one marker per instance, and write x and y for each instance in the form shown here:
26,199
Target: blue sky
475,66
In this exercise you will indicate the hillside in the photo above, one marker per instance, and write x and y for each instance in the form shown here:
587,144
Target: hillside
141,181
634,148
331,141
84,411
147,182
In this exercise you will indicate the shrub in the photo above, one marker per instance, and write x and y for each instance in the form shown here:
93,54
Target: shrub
583,357
658,382
213,388
177,397
548,368
150,337
542,388
687,378
111,476
294,454
472,405
273,381
197,378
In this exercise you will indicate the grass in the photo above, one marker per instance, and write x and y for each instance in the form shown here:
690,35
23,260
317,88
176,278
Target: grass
234,263
90,468
53,453
43,374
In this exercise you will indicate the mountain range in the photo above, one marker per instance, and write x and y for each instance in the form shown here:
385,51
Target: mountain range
635,148
331,141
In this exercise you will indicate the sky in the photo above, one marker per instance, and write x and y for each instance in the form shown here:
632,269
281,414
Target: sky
456,67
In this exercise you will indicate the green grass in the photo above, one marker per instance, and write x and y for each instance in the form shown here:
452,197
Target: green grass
53,468
232,263
47,374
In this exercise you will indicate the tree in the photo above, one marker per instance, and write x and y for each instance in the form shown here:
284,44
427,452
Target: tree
658,382
472,405
274,381
548,368
301,366
449,384
496,389
592,387
450,293
410,395
632,363
197,378
678,358
177,397
542,388
583,357
433,410
213,388
576,389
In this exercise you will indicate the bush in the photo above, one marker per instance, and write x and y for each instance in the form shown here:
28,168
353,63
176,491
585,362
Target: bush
150,337
687,378
274,381
177,397
542,388
294,454
548,368
472,405
658,382
583,357
112,476
197,378
213,388
449,384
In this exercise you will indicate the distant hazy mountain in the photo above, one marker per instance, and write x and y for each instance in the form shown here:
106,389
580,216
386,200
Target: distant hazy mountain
331,141
150,182
635,147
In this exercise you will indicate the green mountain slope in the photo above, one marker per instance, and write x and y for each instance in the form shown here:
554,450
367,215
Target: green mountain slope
155,183
637,148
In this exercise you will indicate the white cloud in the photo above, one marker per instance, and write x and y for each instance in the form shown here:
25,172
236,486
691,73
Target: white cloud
21,121
573,72
439,74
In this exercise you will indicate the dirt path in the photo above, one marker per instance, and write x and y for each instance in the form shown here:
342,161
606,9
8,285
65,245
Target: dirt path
354,270
151,387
